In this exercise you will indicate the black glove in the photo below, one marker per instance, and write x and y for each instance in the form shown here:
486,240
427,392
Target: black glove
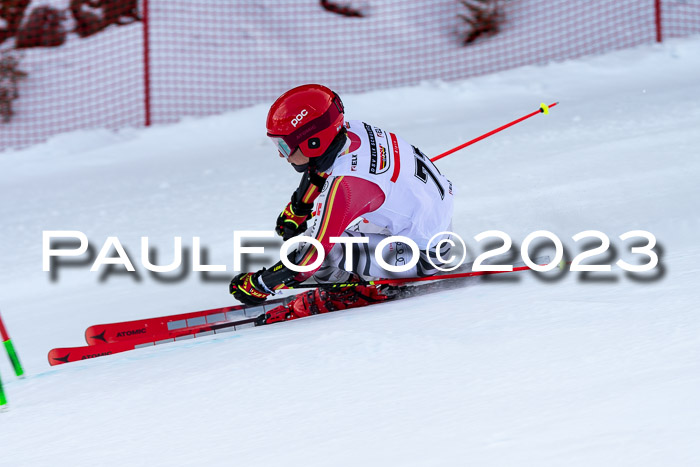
292,221
246,289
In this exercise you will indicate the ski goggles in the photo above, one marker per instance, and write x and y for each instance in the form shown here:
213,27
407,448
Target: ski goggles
288,144
282,146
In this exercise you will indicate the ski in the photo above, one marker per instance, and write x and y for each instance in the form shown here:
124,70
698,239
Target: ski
165,327
62,355
169,326
150,329
179,327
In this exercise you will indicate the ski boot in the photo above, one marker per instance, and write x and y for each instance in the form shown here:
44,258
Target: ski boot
323,300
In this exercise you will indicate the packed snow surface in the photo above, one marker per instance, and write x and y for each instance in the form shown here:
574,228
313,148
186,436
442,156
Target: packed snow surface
536,369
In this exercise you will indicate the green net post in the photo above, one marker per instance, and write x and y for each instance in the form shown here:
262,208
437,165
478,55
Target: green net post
19,371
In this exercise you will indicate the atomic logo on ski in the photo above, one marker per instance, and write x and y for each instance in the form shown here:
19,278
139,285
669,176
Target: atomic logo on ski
62,359
101,354
100,336
130,332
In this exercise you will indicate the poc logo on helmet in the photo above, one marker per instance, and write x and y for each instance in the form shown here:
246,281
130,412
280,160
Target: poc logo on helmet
299,118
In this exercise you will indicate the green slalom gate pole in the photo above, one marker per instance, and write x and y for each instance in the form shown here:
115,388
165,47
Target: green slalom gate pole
3,400
7,342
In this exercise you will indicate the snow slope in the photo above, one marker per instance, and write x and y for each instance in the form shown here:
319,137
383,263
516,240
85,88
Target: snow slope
540,370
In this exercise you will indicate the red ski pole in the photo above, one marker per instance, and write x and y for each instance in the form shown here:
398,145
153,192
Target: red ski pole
7,342
406,280
544,109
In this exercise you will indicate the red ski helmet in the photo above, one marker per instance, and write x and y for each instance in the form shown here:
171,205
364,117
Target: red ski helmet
308,117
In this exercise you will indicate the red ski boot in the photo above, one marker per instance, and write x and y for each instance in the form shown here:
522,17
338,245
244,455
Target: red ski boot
324,301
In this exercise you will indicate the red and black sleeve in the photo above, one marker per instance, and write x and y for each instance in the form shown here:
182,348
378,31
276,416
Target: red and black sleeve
347,199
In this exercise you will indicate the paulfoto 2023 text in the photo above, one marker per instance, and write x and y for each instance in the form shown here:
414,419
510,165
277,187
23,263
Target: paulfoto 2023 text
452,262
